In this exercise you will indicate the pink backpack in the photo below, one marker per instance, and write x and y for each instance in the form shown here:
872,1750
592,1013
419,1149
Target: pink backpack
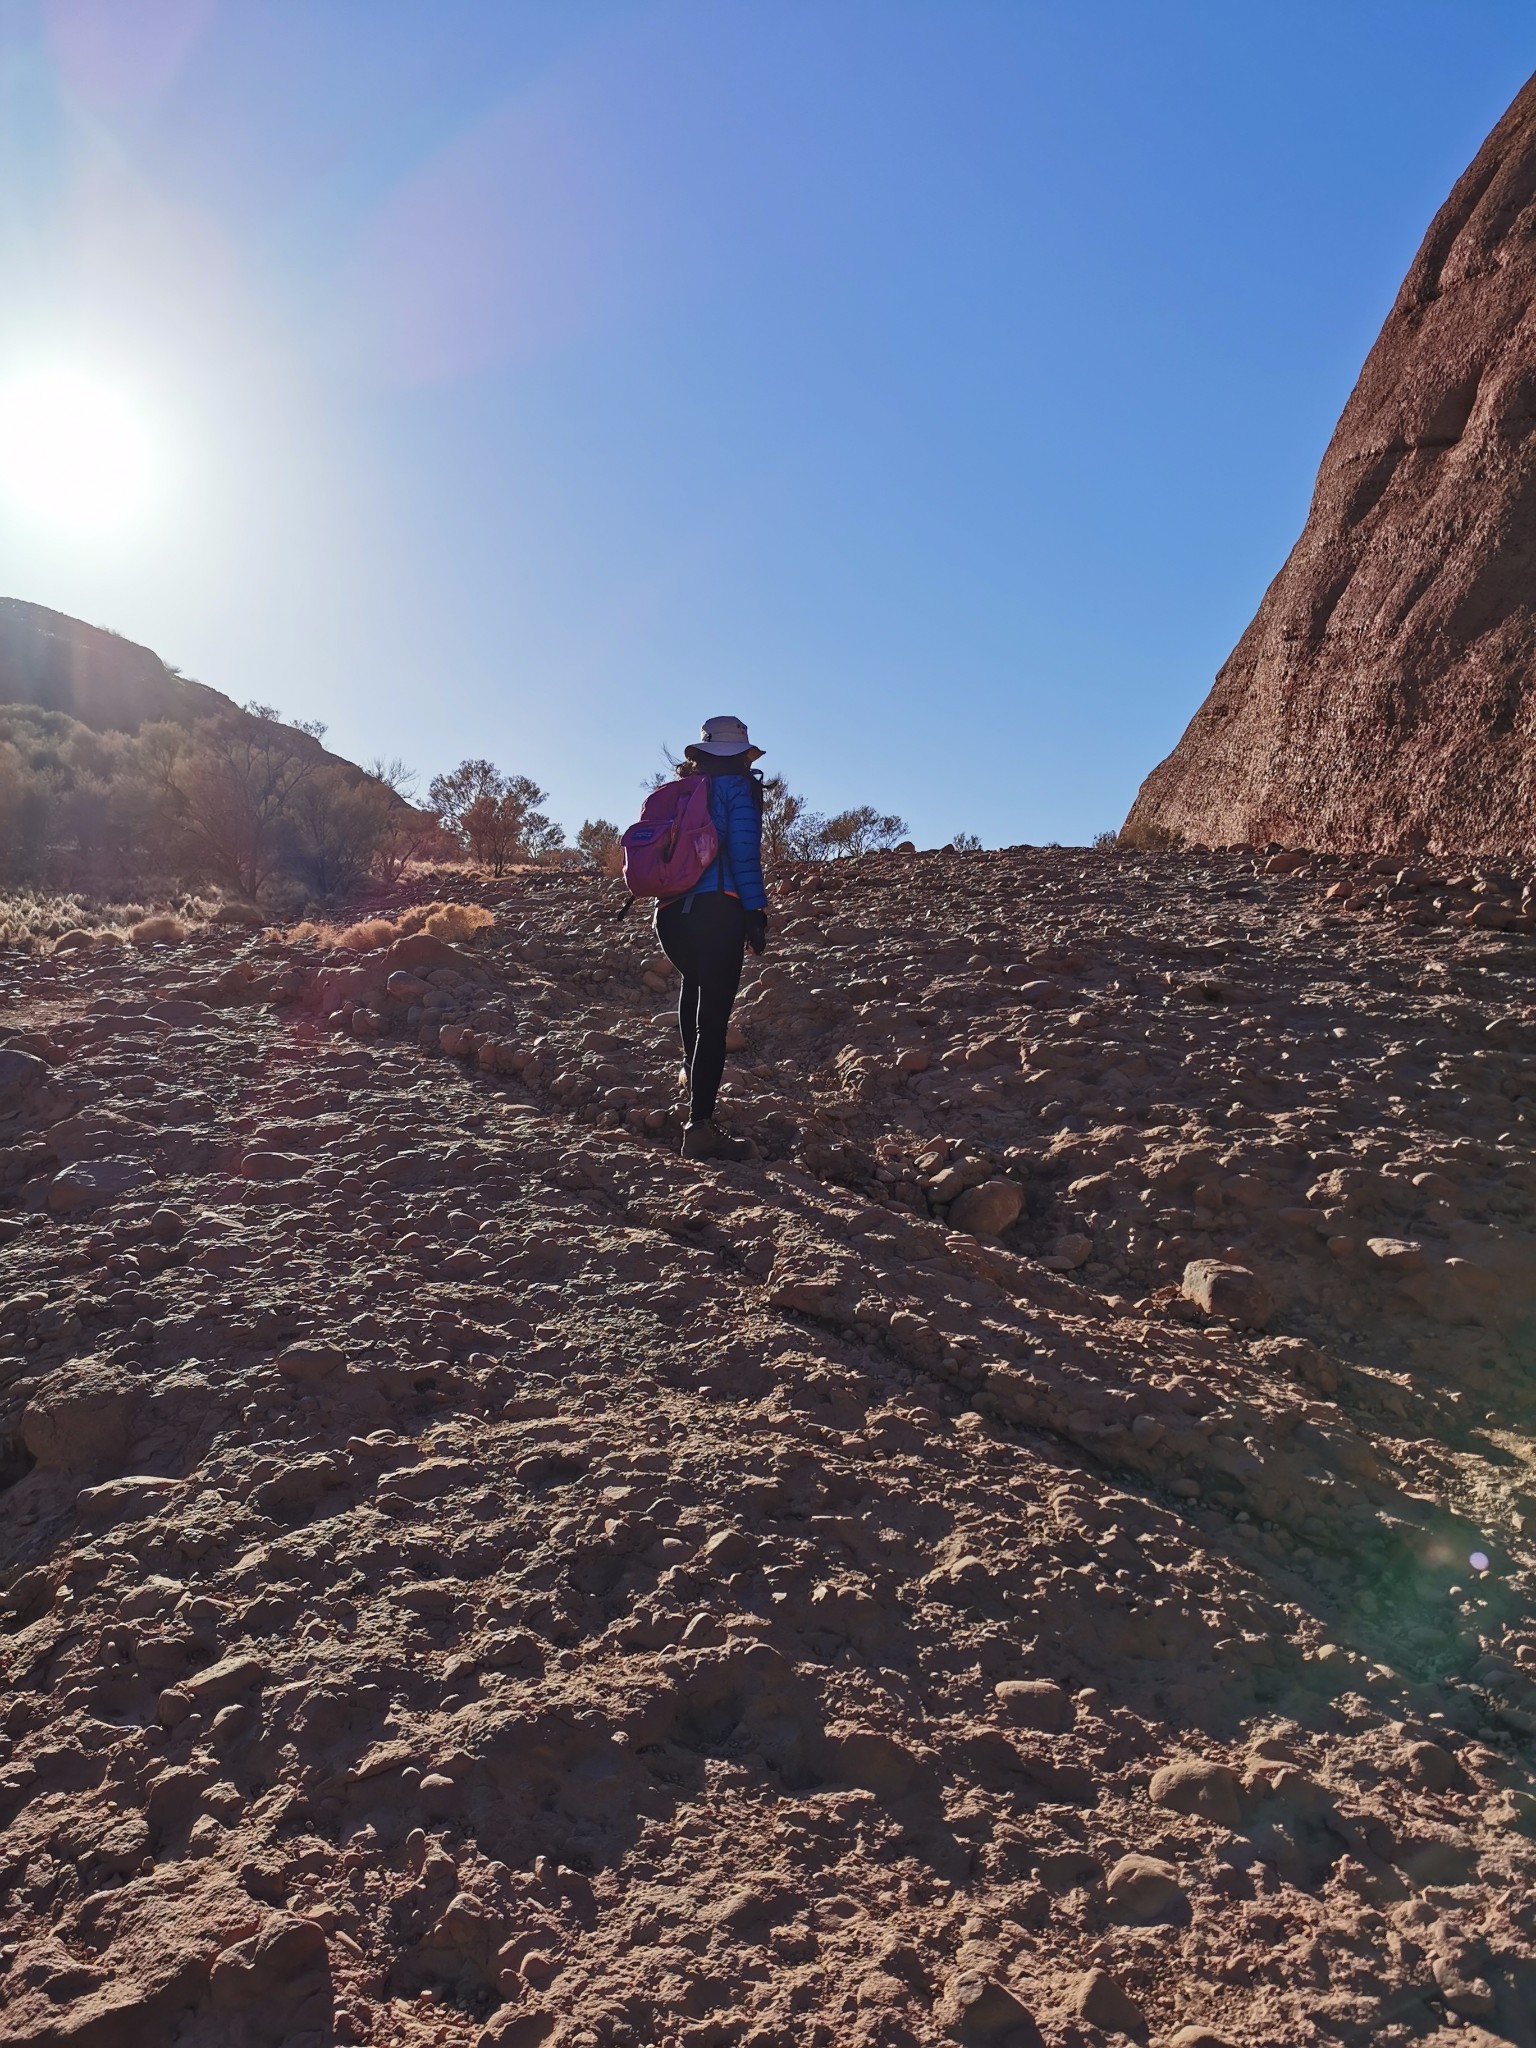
675,843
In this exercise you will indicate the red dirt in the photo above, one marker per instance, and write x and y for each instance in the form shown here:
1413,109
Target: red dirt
473,1577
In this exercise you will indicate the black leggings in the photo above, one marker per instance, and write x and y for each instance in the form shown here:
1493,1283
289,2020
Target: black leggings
705,943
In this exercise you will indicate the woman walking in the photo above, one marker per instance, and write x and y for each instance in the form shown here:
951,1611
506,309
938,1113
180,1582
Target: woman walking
704,933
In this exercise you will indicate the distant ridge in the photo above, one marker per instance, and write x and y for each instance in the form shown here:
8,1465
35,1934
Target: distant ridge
1385,694
106,682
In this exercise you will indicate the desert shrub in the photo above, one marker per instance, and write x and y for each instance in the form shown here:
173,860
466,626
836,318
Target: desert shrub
234,911
964,842
244,799
73,800
40,919
1151,838
1105,842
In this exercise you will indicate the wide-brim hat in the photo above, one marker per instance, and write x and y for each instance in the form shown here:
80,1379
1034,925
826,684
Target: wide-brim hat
724,736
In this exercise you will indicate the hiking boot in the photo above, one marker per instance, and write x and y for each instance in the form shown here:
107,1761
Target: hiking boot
703,1139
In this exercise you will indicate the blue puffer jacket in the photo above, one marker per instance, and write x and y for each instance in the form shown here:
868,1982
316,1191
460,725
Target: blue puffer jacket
739,867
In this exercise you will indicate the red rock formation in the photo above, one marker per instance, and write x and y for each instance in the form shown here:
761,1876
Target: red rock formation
1383,696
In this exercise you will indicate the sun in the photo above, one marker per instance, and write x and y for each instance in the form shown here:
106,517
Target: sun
74,452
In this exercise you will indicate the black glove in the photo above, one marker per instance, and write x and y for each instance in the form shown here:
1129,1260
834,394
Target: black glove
757,930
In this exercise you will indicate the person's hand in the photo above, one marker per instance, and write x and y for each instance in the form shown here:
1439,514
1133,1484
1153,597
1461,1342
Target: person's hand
757,930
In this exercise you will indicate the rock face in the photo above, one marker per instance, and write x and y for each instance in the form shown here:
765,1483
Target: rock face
1383,696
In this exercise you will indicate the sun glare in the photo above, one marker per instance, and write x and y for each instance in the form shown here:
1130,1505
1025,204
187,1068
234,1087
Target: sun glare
73,452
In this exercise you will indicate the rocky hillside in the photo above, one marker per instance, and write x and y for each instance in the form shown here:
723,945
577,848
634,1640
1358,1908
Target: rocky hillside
1383,695
97,677
1042,1554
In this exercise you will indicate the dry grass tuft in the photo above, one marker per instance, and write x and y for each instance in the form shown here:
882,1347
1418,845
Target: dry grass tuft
371,932
440,920
162,929
41,922
457,920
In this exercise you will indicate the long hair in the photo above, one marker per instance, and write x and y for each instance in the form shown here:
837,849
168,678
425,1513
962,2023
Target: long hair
730,764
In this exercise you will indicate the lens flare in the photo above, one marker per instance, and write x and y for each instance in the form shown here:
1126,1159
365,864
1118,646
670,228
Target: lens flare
73,452
1478,1560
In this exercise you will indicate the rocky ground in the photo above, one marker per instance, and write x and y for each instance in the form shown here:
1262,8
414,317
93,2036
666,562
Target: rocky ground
1042,1554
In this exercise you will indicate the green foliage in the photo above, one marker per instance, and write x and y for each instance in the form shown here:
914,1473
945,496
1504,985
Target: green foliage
600,847
792,831
495,818
243,800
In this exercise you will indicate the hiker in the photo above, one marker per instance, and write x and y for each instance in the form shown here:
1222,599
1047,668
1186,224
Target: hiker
703,933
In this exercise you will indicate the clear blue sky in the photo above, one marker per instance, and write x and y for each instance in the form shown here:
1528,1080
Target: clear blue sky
937,386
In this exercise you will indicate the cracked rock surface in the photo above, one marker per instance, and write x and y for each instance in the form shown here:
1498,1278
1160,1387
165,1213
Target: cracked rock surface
1042,1553
1382,695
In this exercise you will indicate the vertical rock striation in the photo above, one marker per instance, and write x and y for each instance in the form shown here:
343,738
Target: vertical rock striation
1384,694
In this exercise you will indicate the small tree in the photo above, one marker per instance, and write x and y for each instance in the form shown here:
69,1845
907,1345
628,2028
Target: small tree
495,817
790,831
393,774
452,795
237,786
598,843
491,827
864,830
340,822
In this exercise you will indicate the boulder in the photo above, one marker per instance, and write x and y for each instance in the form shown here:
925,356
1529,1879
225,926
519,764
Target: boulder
1230,1291
1210,1791
83,1416
1102,2002
22,1076
1034,1703
988,1209
974,2008
91,1183
1396,1254
1144,1887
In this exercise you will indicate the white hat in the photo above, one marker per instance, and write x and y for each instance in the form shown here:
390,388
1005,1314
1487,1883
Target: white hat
723,736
